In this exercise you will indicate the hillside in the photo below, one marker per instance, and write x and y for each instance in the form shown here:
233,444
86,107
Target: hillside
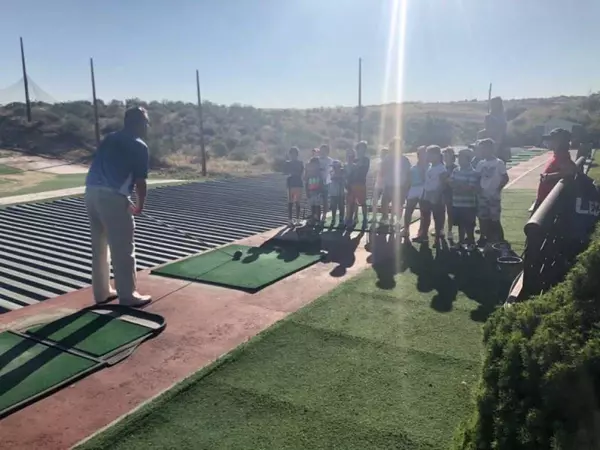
247,138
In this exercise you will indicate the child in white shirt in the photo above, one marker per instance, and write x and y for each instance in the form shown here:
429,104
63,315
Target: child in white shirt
433,202
492,172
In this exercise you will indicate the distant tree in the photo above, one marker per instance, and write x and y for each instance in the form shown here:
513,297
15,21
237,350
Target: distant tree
238,155
219,149
231,143
259,160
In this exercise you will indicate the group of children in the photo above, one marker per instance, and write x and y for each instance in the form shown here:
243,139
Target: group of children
463,193
329,185
441,188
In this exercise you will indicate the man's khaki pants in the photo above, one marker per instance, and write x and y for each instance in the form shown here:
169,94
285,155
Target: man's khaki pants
112,226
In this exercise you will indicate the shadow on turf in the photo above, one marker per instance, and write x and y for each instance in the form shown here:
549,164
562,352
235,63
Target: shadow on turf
56,347
335,244
340,247
441,270
11,379
287,253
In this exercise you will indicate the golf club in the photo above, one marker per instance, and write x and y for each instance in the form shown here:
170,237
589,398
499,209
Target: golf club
237,255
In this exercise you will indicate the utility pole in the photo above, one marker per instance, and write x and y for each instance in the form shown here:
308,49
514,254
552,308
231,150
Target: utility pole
359,99
25,82
202,148
96,122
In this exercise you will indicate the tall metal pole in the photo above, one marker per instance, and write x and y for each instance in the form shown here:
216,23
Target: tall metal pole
25,82
359,99
202,148
490,98
96,121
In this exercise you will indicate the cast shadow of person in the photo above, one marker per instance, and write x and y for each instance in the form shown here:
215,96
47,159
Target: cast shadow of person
340,247
387,258
433,271
451,272
285,252
442,270
12,377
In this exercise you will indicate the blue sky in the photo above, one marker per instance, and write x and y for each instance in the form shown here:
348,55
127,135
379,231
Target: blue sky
303,53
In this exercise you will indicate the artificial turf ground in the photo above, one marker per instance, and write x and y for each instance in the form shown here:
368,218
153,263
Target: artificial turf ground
367,366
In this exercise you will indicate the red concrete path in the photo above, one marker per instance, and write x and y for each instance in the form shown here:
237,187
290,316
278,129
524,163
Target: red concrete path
203,323
526,175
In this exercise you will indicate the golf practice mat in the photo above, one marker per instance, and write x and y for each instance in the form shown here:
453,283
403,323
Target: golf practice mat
241,267
42,359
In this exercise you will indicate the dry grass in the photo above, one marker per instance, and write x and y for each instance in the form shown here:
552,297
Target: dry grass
185,166
17,182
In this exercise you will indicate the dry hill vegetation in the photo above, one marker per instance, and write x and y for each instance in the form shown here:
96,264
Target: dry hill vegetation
244,138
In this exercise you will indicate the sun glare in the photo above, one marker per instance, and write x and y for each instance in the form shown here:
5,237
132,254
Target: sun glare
393,85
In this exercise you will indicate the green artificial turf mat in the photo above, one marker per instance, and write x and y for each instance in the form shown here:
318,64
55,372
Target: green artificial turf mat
257,267
27,369
95,334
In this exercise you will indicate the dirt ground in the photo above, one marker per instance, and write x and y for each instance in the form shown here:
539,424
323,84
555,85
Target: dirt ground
24,180
40,164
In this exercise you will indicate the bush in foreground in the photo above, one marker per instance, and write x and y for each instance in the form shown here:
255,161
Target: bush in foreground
540,383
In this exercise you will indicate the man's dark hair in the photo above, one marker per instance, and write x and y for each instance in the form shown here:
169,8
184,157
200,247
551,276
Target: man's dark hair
135,116
361,145
294,150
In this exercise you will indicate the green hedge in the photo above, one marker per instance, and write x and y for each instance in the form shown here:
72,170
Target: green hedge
540,382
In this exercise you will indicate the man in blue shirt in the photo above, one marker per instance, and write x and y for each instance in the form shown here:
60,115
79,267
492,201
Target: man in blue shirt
120,165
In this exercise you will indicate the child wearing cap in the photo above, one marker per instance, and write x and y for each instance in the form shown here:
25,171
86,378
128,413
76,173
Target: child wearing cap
336,192
493,178
433,202
465,186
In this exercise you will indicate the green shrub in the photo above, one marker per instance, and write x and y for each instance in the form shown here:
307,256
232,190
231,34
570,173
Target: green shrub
278,164
219,149
259,160
239,154
540,383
